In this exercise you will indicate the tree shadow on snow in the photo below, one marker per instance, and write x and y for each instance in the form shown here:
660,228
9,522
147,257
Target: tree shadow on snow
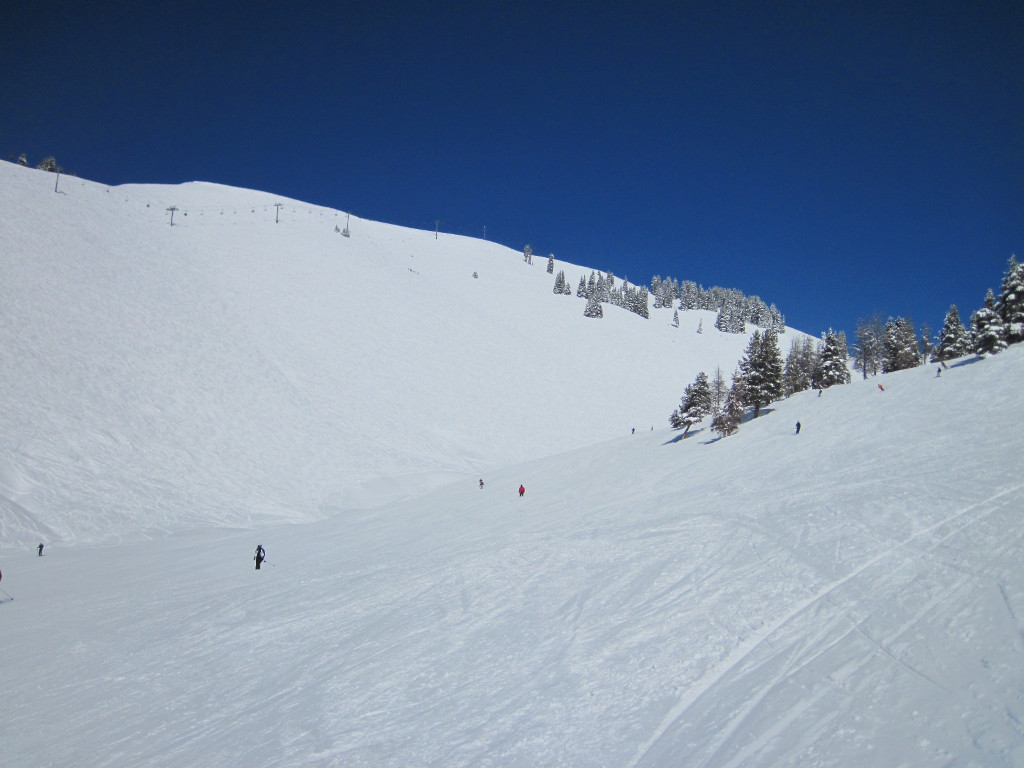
748,416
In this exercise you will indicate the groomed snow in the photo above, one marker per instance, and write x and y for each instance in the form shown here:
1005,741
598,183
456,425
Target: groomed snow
849,596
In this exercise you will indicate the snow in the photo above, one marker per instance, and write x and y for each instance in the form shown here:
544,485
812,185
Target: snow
849,596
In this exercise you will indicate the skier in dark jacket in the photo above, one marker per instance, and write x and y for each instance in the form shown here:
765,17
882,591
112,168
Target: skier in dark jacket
261,555
798,427
39,550
522,490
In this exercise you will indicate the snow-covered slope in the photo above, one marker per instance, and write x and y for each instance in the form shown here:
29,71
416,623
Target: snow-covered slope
849,596
231,369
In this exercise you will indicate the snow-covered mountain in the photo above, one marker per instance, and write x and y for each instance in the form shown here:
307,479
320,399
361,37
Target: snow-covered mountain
849,596
249,363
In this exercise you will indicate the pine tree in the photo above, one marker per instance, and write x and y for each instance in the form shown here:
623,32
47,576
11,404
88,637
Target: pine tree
723,320
551,263
868,351
593,307
727,421
762,371
675,318
688,295
642,303
988,329
833,368
559,286
695,405
954,340
581,290
900,346
718,391
528,254
1010,305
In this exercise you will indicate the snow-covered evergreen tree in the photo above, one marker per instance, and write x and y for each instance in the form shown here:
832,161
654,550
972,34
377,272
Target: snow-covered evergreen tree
954,340
718,391
868,350
695,405
551,263
761,367
723,320
1010,305
727,421
559,286
642,300
899,346
593,307
675,319
988,328
801,361
833,368
687,295
528,254
655,289
581,289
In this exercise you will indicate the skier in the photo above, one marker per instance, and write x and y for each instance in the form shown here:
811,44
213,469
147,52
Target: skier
261,555
798,427
39,550
881,387
522,490
938,372
634,431
481,482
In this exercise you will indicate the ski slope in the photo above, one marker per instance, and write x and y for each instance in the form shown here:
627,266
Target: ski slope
230,370
848,596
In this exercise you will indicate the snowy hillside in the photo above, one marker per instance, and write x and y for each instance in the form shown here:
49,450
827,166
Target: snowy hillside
850,596
231,370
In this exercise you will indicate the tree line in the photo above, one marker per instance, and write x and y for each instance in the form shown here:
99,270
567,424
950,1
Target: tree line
734,309
763,377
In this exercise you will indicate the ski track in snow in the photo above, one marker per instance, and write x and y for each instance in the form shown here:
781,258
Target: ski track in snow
801,644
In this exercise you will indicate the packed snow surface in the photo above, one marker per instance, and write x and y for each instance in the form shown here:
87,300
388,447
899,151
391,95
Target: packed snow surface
173,396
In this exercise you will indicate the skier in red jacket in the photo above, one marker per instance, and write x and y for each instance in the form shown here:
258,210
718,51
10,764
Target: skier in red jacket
522,490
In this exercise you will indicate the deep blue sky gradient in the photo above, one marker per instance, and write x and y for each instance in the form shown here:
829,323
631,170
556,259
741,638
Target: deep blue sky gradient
836,158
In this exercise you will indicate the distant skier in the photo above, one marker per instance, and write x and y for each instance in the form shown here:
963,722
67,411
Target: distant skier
943,363
938,372
522,490
39,550
798,427
481,482
634,431
261,555
881,387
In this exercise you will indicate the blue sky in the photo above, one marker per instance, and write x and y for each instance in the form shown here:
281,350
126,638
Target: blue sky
836,158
